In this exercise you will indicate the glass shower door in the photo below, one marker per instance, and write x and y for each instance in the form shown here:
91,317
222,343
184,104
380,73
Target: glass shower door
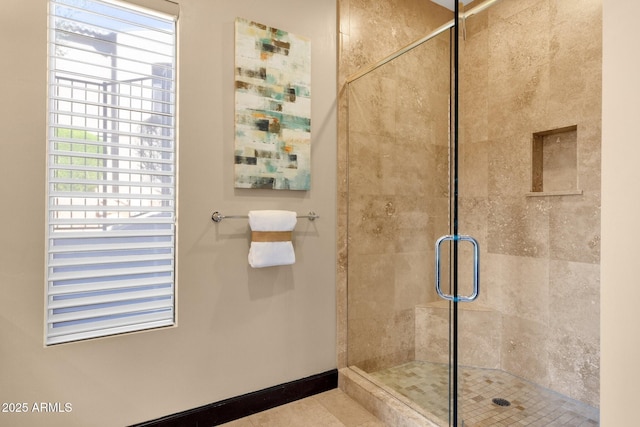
402,176
398,204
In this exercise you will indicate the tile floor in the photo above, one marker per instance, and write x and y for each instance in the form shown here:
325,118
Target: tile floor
426,384
332,408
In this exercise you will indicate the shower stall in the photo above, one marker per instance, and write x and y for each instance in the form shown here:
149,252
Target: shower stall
470,155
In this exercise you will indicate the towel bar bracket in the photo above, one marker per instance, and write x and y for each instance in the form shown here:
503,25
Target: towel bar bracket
218,217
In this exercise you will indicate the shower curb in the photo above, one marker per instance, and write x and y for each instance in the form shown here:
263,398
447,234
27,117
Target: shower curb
374,399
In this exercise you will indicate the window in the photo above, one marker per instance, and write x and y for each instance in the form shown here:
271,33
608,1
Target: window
111,170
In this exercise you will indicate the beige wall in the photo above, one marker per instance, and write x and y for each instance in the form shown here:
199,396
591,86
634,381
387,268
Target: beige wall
239,329
620,372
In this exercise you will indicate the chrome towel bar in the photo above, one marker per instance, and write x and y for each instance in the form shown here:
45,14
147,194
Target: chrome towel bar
218,217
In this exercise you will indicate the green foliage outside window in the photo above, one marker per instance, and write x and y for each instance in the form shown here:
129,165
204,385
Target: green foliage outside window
77,147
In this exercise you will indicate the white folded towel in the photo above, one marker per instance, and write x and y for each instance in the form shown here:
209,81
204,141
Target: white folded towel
271,238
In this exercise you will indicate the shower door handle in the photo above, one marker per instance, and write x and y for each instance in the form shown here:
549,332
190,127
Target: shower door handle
476,268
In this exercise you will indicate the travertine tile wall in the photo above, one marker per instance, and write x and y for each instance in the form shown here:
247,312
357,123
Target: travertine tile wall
397,168
527,66
530,66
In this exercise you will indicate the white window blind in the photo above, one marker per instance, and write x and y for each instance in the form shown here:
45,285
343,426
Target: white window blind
111,170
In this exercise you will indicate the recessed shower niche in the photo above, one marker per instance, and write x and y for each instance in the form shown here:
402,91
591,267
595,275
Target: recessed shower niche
554,161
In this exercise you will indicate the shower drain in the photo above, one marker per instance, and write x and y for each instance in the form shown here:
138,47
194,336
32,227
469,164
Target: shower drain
501,402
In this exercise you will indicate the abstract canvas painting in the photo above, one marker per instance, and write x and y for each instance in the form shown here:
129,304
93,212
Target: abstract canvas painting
273,108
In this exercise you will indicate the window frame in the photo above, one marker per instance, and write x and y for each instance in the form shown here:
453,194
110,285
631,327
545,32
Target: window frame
113,149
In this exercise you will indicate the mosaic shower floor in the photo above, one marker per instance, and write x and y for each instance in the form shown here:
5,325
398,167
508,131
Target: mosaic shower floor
426,384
